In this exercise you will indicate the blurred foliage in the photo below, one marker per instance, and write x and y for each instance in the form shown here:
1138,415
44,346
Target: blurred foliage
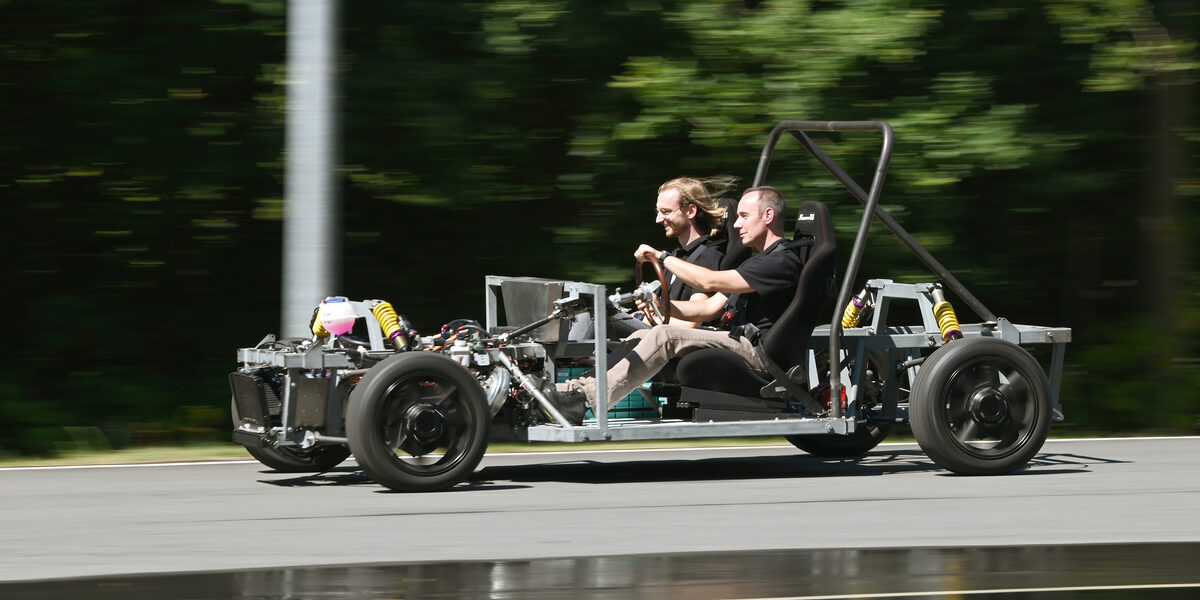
1045,152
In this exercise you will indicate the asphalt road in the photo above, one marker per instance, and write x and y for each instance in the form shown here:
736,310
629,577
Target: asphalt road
75,522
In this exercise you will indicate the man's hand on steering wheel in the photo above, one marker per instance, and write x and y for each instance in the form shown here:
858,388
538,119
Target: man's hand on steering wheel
647,253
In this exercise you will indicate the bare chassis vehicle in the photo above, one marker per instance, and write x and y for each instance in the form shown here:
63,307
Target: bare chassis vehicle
417,413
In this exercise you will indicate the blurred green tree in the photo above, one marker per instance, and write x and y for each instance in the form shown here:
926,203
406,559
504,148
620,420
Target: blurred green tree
133,155
1046,153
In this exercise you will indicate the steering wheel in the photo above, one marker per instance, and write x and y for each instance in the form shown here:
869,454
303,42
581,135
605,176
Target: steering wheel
664,292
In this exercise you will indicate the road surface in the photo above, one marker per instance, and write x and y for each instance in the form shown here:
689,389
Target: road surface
77,522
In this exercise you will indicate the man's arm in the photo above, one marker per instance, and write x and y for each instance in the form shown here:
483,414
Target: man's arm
725,282
699,309
697,297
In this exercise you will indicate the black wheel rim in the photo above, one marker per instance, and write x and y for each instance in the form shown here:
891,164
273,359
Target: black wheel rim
989,407
426,422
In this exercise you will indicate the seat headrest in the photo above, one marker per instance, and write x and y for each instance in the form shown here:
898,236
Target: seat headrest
813,222
735,252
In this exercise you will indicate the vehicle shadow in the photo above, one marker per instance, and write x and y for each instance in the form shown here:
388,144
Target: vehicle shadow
800,465
874,464
1074,460
708,469
351,475
343,475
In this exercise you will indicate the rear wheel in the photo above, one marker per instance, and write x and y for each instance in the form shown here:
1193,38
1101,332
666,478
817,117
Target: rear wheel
299,460
864,439
980,406
310,460
866,435
418,422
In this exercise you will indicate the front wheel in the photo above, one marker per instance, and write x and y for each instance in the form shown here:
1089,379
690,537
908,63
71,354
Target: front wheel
864,439
980,406
418,422
311,460
867,435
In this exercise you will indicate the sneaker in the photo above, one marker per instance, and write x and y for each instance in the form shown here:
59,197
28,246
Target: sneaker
570,401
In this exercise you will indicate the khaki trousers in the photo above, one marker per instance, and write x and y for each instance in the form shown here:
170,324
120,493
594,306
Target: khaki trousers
655,348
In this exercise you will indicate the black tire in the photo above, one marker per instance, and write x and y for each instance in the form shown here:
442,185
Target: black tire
418,422
980,406
864,439
866,435
317,459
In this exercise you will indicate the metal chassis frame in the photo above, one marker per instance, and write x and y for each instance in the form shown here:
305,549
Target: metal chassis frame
294,365
900,342
604,429
903,343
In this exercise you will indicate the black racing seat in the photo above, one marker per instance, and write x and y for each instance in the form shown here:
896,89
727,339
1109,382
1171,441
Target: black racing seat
721,370
728,239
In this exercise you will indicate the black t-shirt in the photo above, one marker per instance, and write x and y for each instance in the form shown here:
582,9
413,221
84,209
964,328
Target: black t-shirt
774,275
698,253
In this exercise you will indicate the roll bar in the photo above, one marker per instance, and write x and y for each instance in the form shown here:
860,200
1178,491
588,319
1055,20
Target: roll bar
871,202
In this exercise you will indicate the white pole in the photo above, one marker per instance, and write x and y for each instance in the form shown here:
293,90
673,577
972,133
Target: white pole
311,249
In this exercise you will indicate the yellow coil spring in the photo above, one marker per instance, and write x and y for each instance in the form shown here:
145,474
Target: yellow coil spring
947,321
318,328
854,310
387,318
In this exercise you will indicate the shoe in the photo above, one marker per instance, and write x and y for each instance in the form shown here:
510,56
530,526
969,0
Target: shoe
570,400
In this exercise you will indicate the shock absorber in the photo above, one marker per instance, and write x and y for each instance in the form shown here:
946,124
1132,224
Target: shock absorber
390,323
317,328
944,313
854,310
